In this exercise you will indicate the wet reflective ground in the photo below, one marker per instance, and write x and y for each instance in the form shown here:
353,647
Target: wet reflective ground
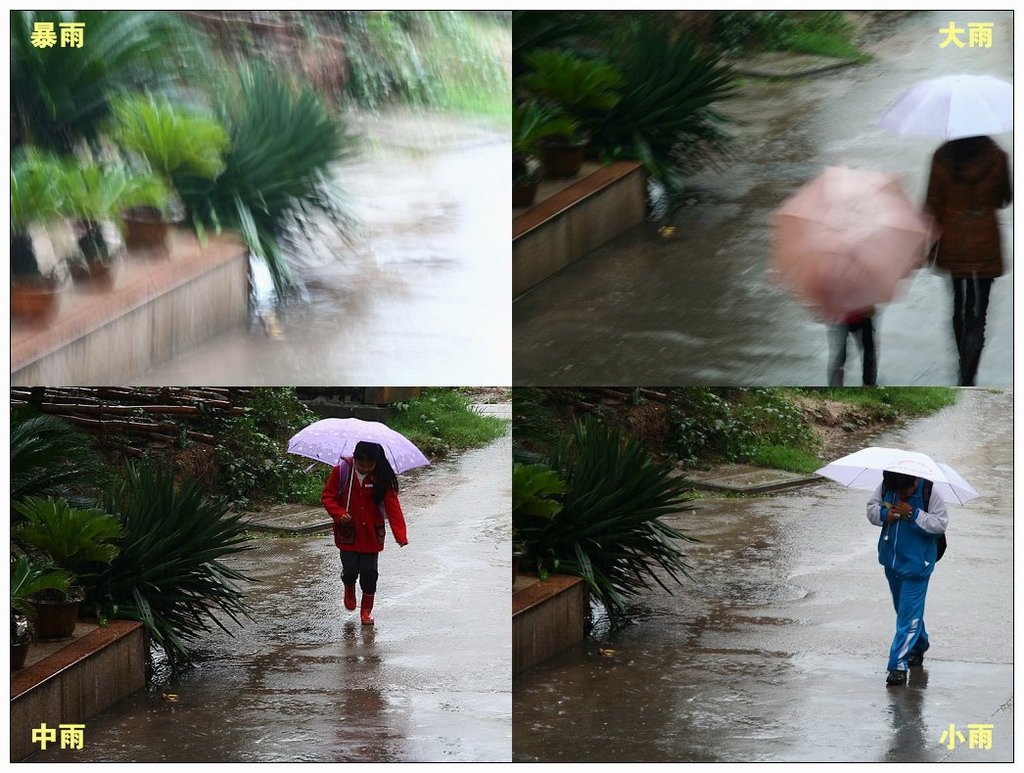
304,682
777,649
418,295
698,307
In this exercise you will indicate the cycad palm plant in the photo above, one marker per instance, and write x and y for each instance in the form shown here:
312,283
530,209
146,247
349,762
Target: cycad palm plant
49,458
61,94
579,87
169,573
278,173
609,530
73,539
35,197
665,118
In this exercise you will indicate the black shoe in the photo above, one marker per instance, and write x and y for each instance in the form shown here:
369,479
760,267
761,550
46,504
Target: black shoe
915,659
896,677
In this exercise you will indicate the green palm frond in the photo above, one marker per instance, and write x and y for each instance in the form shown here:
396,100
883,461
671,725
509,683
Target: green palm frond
72,538
169,573
28,579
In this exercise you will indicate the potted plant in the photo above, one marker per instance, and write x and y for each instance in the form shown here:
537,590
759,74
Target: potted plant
92,194
536,501
74,540
532,123
29,579
579,88
171,139
34,200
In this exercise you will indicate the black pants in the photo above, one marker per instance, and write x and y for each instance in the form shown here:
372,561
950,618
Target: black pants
970,306
838,335
361,565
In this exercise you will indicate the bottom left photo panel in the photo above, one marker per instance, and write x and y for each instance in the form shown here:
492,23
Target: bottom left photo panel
227,574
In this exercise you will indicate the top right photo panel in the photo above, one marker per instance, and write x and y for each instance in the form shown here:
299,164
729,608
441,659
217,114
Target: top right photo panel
758,198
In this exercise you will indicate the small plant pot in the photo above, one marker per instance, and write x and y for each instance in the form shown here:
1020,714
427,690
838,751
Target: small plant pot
523,195
146,232
55,619
94,275
35,300
18,654
561,159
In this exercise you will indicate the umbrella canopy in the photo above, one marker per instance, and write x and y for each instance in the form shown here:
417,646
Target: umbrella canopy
329,439
863,470
953,106
845,240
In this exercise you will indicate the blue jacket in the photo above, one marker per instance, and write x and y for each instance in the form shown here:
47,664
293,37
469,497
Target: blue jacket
909,547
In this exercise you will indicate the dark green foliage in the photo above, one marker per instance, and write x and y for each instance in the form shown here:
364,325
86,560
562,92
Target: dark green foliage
71,538
439,421
737,425
609,530
665,118
827,33
534,491
535,30
61,95
278,177
30,578
169,573
578,86
49,458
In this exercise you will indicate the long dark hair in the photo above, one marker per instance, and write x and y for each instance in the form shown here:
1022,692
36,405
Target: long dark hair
964,150
896,482
384,478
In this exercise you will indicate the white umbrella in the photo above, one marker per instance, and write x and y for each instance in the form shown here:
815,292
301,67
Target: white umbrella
953,106
863,470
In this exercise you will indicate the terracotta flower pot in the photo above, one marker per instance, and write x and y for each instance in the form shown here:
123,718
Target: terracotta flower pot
55,619
94,275
146,231
523,195
561,159
34,300
18,654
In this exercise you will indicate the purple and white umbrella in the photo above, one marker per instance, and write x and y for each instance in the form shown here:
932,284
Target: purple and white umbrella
330,439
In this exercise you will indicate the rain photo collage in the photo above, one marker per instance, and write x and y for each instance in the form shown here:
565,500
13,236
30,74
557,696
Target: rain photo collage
733,406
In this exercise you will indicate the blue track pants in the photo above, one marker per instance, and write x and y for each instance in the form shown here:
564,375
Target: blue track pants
908,599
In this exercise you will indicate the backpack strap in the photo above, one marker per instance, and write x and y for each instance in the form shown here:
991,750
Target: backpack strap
345,470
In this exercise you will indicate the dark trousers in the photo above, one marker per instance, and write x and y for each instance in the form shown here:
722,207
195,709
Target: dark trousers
838,336
970,306
359,565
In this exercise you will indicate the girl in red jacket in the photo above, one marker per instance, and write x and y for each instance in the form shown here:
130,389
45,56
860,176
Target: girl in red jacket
359,495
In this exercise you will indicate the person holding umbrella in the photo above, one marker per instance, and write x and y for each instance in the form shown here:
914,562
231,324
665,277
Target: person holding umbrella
911,491
907,550
360,494
969,180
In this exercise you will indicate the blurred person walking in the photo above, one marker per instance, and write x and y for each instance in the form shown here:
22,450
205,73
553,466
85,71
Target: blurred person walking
861,325
969,181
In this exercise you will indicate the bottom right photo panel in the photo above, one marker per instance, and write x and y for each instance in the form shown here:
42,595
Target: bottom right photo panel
762,574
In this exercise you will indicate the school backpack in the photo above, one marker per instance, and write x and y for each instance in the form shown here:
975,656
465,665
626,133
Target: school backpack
926,495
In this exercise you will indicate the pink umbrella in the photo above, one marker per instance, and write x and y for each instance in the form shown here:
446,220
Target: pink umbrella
329,439
845,240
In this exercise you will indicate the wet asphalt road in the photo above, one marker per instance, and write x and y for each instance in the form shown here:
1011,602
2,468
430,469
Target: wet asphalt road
420,292
699,308
777,650
305,682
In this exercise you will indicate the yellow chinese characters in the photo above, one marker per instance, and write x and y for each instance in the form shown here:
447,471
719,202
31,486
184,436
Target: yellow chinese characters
979,35
72,34
979,736
71,736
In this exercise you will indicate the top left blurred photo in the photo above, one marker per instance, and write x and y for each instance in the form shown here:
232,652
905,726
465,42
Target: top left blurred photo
260,197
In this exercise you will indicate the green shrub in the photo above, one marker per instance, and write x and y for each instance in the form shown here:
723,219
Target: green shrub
30,578
278,173
579,87
608,530
170,573
61,95
665,118
440,420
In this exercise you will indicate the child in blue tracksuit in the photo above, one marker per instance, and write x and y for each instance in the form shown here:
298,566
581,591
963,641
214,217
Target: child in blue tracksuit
907,548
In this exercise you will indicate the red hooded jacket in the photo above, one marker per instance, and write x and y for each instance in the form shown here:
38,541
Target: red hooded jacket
363,531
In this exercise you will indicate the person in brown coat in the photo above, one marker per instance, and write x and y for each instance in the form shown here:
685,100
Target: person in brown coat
969,181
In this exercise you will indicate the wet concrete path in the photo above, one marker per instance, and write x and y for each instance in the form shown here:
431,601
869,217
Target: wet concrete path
699,308
305,682
777,649
423,283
